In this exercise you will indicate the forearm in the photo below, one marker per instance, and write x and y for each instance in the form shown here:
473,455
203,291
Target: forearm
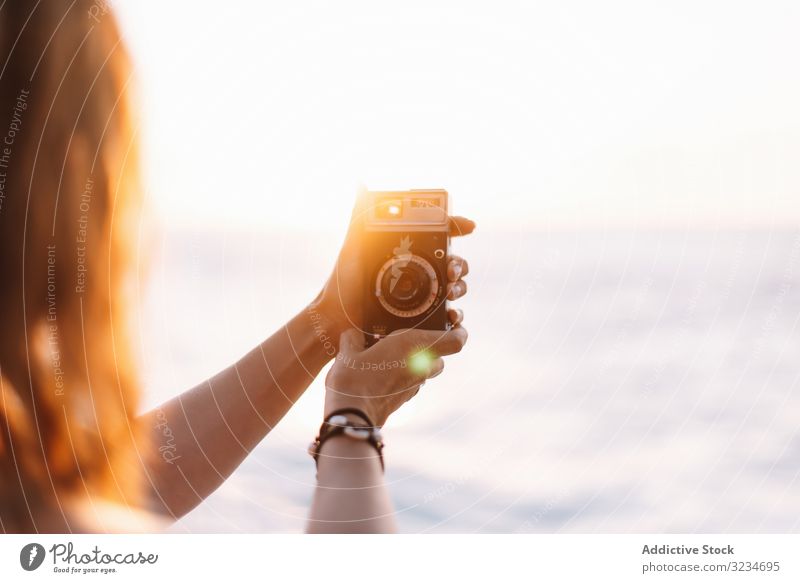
351,495
201,436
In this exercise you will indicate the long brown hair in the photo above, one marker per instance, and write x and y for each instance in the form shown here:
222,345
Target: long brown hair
68,194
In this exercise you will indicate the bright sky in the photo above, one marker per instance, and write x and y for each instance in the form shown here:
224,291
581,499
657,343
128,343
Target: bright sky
528,113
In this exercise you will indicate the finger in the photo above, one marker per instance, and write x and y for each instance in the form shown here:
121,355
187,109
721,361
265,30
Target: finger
351,341
456,290
432,369
456,316
438,342
412,392
457,268
360,206
437,366
358,216
460,226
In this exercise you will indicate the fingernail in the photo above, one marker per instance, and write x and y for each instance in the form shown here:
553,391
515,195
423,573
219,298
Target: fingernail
457,270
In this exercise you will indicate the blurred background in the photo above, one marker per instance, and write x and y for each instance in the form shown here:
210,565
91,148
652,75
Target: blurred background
633,307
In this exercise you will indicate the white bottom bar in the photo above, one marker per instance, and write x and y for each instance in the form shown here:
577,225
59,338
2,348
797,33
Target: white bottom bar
405,558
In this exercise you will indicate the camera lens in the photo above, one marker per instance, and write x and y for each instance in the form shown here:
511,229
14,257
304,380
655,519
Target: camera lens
407,287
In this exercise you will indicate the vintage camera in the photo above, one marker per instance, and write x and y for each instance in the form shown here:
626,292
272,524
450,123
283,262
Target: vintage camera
406,250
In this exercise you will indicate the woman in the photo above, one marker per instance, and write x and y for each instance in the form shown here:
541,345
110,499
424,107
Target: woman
75,454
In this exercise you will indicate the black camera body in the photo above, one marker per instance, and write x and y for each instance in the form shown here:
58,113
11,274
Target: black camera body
407,245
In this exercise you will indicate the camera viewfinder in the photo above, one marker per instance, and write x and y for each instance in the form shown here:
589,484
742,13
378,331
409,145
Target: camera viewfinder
389,208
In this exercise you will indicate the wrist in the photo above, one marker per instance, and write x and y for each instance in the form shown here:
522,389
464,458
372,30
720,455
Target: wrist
335,402
345,463
346,450
354,426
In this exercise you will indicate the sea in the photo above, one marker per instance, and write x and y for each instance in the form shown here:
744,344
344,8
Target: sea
615,380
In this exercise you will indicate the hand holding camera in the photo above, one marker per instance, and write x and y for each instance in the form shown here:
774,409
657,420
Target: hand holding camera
388,298
379,379
348,299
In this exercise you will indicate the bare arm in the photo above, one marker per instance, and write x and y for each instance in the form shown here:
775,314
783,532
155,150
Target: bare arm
200,437
351,495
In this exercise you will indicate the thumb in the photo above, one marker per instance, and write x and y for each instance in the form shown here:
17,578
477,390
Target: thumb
351,341
357,218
